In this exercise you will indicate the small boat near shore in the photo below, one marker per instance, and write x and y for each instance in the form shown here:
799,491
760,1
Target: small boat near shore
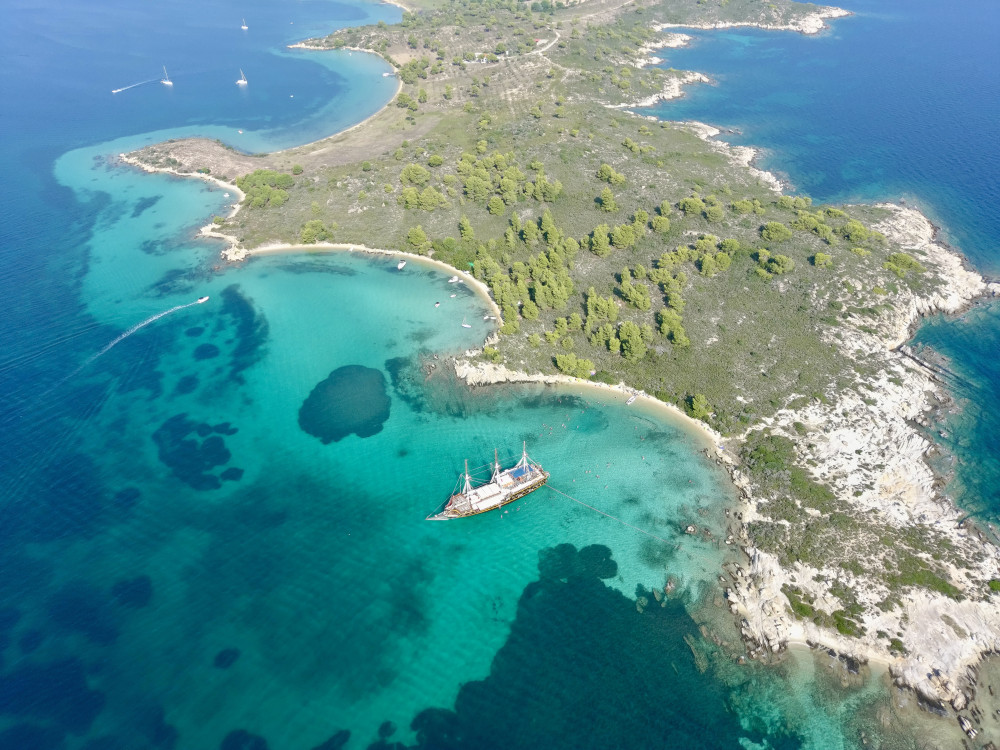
631,400
505,486
465,324
401,265
453,279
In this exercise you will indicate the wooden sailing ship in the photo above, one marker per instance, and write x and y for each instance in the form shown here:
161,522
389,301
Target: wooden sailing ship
505,486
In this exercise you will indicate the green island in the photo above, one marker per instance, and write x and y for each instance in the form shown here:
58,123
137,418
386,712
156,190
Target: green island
645,255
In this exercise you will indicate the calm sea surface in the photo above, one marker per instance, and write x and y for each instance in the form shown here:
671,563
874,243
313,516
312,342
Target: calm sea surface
213,528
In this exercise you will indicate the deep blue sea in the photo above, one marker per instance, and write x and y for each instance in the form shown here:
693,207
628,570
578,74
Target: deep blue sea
212,526
899,102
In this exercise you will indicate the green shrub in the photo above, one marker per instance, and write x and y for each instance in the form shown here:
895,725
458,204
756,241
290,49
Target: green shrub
775,231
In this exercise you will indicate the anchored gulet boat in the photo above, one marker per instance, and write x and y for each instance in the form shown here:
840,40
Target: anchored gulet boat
505,486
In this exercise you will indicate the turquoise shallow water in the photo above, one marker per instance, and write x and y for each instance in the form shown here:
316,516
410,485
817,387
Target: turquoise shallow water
185,566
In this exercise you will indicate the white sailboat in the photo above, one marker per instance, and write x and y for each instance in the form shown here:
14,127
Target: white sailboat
166,79
244,26
243,79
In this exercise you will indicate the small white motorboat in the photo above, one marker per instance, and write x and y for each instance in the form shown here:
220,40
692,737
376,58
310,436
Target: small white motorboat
202,300
631,399
453,279
400,265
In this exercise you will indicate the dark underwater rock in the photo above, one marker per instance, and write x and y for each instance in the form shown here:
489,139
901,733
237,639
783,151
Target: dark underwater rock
241,739
226,658
133,592
57,693
352,400
31,737
82,608
191,460
206,351
107,742
339,740
187,384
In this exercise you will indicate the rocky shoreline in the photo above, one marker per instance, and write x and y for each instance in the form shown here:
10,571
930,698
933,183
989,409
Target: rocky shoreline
741,155
810,24
869,450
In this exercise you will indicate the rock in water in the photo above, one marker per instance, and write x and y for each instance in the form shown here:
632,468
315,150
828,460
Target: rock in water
226,658
336,742
352,400
241,739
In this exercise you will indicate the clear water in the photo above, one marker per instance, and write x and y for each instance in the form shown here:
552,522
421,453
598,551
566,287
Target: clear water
900,101
183,562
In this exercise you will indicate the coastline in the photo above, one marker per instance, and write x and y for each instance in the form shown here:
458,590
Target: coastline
668,41
813,23
741,155
871,453
236,254
373,115
672,89
485,373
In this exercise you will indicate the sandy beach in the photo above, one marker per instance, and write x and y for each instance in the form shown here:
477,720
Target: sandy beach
278,248
485,373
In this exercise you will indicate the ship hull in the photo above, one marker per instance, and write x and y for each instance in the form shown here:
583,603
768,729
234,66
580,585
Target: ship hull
450,513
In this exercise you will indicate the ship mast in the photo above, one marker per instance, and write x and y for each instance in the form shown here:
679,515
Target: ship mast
496,466
468,481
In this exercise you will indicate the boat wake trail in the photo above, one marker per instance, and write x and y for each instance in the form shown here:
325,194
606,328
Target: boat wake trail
111,345
132,86
128,333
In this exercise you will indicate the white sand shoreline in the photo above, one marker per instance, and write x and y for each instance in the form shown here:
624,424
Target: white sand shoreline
282,248
485,373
